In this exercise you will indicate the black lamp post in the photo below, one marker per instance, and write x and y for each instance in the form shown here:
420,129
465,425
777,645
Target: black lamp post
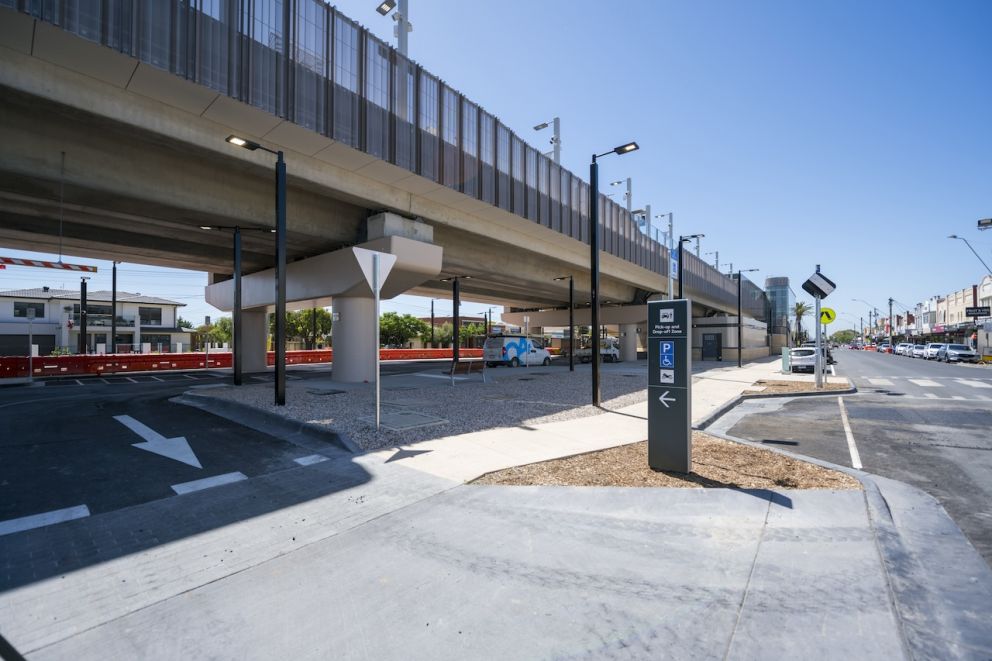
280,263
682,241
456,318
571,321
740,316
236,331
594,259
113,311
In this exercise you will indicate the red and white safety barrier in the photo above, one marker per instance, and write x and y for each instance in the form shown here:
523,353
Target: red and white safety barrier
17,261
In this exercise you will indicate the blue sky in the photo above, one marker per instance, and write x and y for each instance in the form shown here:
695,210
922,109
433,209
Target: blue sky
854,135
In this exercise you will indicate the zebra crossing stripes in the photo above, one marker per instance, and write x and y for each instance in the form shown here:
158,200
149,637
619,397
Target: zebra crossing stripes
974,384
880,382
926,383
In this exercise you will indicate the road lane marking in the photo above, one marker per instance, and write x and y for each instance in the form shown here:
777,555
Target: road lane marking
208,482
880,382
855,457
958,397
930,395
973,384
310,459
44,519
926,383
174,448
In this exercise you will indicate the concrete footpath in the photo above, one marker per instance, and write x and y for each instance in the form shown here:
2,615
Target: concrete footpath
389,555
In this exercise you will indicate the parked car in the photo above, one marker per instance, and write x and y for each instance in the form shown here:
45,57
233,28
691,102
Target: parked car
904,348
884,347
953,353
803,359
932,350
514,350
830,354
918,351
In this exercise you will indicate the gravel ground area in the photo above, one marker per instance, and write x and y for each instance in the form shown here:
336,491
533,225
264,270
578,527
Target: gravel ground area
513,397
716,463
766,387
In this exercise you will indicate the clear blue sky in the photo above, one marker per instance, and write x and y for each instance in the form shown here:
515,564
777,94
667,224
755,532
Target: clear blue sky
854,135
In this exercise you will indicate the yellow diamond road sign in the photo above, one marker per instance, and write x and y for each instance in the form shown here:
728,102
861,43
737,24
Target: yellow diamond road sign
827,315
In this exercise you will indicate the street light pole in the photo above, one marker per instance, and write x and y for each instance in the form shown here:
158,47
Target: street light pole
555,138
237,330
740,316
594,260
113,311
280,339
955,236
84,345
432,323
682,241
571,321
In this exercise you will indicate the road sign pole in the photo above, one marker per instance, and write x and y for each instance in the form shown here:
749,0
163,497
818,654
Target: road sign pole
670,385
818,365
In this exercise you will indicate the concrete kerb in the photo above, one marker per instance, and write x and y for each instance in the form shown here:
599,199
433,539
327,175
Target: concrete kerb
712,417
304,434
939,585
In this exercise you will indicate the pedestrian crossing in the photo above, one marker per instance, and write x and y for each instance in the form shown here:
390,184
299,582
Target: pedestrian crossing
929,388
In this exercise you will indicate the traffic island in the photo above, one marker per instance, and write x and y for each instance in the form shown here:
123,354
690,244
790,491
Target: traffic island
716,463
765,388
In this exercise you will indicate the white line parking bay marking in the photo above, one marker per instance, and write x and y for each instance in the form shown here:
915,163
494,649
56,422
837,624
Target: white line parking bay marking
852,448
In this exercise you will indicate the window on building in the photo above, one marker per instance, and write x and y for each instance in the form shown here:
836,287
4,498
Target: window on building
21,309
150,316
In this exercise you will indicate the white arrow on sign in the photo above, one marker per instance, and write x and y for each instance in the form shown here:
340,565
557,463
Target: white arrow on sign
664,399
174,448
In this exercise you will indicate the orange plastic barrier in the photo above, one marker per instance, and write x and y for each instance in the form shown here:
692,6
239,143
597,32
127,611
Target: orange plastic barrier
17,366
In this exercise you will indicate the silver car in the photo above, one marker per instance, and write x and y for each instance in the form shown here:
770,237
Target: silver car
932,350
919,351
952,353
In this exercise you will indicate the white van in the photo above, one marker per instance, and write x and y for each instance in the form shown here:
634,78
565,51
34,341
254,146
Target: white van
514,350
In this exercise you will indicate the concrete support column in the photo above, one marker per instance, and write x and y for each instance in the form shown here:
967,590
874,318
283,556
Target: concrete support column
354,341
254,333
628,342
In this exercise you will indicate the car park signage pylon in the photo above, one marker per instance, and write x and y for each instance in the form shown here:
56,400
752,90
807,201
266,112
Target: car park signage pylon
670,385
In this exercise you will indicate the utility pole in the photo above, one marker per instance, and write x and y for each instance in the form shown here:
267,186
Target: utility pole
890,323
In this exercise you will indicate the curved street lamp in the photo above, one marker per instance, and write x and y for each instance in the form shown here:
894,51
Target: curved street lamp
594,258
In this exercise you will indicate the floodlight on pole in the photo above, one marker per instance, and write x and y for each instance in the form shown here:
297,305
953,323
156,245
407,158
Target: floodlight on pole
386,6
594,259
555,123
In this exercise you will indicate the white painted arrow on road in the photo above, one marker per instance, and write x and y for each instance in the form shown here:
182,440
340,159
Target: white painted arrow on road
174,448
664,399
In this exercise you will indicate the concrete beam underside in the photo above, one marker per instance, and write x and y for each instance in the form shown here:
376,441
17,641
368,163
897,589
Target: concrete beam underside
184,123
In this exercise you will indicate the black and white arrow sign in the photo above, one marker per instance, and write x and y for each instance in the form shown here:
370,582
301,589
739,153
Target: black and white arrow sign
665,399
174,448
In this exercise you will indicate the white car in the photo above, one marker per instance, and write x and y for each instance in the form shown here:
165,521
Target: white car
932,350
904,349
514,350
803,359
918,351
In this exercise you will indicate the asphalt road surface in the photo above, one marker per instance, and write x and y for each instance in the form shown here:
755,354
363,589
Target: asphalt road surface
925,423
111,443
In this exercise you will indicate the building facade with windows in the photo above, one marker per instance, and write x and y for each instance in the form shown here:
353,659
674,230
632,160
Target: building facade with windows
52,318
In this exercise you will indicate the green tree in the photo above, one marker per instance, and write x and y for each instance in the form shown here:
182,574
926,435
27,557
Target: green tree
844,336
800,310
184,323
397,330
223,330
299,326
